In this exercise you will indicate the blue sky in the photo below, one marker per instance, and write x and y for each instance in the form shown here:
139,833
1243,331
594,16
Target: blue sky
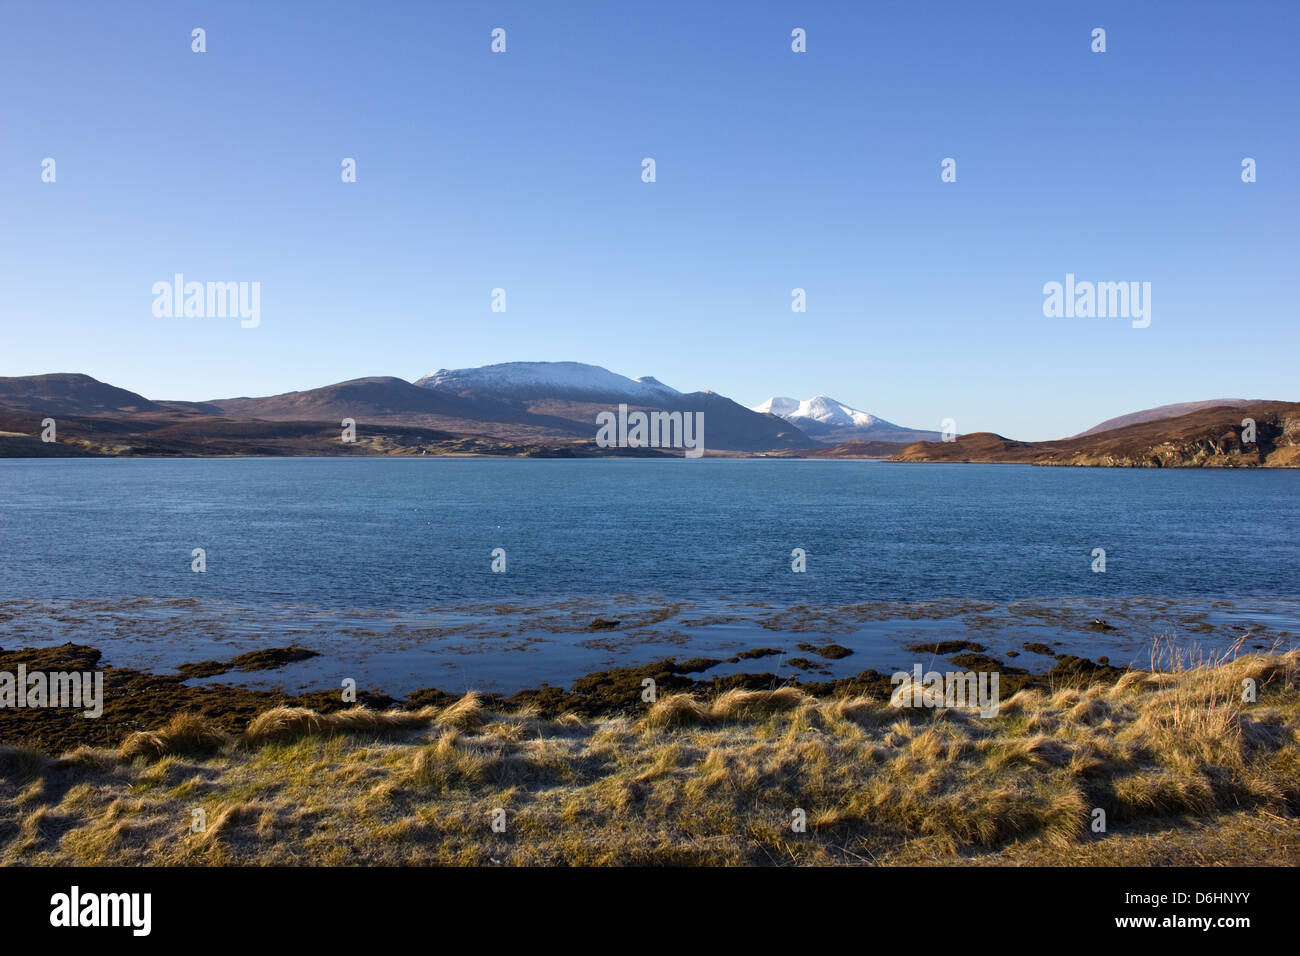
775,170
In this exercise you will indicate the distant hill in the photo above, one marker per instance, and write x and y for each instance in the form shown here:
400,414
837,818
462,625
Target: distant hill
548,409
388,400
380,395
576,393
519,408
1167,411
1207,437
519,402
66,393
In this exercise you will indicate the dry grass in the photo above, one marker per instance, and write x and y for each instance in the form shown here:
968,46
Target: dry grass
1184,769
683,710
292,723
183,734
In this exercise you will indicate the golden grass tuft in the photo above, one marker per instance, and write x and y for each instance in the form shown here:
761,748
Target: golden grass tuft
1089,710
466,714
863,711
737,704
1022,701
676,710
1161,793
684,710
449,764
183,734
282,724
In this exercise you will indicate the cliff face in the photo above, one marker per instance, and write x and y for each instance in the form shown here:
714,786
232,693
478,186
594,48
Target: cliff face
1207,438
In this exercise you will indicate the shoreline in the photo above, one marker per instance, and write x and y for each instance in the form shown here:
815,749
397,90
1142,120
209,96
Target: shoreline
1173,767
138,700
508,646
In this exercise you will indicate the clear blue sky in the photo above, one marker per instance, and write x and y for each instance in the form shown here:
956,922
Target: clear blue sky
775,170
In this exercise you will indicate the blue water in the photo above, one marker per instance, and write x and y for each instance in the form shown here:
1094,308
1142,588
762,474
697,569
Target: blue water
397,532
320,549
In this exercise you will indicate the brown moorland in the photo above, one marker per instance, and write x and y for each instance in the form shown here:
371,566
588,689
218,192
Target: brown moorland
1205,438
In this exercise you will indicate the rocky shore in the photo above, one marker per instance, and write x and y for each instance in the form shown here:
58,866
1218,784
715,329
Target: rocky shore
136,700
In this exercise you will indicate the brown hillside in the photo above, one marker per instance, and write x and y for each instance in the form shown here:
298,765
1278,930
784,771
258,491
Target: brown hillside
1208,437
1167,411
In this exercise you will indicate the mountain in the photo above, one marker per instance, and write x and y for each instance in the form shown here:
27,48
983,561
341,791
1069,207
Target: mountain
571,394
94,418
548,409
395,401
542,408
1167,411
834,423
572,381
518,402
1207,437
71,394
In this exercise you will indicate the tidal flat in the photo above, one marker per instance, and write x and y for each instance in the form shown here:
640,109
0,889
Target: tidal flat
506,647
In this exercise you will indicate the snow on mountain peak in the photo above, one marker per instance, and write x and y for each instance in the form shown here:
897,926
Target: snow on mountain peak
820,408
568,377
778,406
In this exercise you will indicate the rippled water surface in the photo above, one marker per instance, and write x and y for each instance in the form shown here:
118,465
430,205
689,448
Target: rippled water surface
387,562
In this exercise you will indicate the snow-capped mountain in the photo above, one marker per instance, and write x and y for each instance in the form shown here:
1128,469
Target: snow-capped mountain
568,380
821,409
568,395
832,422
